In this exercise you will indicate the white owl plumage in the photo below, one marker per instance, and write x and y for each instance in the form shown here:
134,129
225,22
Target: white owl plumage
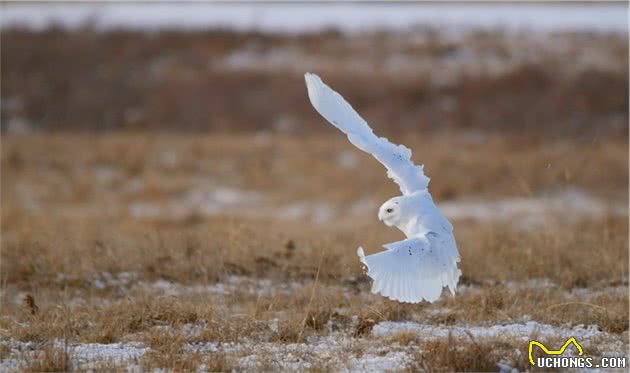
419,267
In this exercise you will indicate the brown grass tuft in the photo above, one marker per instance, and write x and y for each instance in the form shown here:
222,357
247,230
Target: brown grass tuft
364,327
167,350
98,273
49,359
468,355
29,303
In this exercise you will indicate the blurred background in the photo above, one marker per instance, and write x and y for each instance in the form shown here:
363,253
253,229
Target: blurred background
538,77
147,148
541,69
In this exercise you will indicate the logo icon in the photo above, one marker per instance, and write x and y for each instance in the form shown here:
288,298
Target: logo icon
553,352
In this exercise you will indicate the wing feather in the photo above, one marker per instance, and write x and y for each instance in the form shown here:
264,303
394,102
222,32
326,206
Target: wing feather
414,269
396,158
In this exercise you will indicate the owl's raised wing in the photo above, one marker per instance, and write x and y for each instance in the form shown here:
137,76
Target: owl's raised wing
414,269
396,158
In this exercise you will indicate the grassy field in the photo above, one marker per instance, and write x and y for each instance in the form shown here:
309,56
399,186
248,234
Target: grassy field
523,83
175,202
238,251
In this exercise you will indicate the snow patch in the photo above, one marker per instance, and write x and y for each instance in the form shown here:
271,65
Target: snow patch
318,213
232,285
216,201
522,331
86,353
569,203
83,355
396,360
313,17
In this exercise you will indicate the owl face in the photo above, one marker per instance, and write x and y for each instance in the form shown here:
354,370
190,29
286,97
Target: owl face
390,212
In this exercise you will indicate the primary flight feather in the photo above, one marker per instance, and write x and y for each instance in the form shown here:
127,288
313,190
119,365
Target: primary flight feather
419,267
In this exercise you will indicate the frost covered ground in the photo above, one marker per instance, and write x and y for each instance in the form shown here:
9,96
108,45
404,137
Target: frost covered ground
175,204
346,341
380,351
187,265
386,345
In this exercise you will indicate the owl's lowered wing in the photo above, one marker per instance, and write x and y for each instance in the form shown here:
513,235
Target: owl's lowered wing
414,269
396,158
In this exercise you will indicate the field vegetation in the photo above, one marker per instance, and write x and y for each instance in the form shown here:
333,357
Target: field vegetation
170,200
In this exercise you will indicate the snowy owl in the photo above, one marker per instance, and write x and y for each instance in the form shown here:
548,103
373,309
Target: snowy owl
417,268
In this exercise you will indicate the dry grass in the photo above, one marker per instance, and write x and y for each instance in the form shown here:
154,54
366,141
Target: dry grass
421,80
57,253
469,355
167,351
228,248
51,228
49,360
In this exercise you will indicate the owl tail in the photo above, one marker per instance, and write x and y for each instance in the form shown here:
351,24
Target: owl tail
404,281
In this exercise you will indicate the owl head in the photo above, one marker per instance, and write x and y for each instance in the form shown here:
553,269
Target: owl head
390,212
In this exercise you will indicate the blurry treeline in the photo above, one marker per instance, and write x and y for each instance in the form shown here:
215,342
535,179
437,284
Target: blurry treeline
562,84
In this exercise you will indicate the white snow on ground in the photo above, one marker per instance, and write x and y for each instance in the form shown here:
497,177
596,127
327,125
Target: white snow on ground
337,351
312,17
225,201
588,294
233,284
83,355
129,281
523,331
207,199
102,280
86,353
518,48
311,211
396,360
608,344
334,351
216,200
570,204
